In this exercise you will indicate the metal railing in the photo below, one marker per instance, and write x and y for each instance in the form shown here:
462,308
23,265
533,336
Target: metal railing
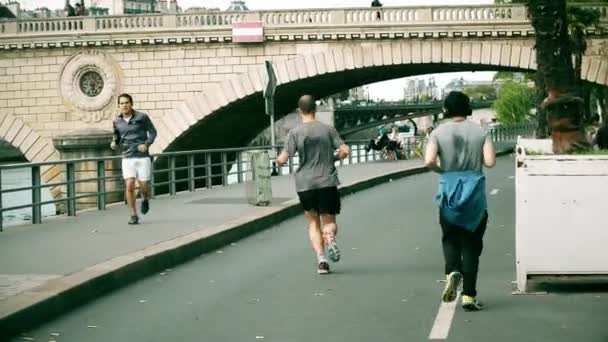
174,172
511,132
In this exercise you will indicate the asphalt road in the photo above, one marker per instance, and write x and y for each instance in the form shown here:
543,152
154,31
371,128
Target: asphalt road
265,287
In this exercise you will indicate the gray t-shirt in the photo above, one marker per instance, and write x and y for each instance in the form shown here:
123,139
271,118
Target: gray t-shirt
316,144
460,145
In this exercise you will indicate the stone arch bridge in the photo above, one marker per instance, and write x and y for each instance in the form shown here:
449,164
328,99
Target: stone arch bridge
203,89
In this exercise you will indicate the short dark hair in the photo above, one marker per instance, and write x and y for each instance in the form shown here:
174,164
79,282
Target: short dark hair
307,104
457,104
126,96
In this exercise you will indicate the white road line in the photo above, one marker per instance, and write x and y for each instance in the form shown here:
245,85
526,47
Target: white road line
443,321
494,191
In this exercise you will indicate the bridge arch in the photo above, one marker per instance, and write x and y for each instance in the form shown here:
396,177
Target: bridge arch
34,147
231,113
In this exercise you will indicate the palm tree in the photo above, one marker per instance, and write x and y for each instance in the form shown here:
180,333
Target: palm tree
554,61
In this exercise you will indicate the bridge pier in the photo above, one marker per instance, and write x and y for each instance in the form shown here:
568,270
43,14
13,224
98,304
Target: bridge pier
90,143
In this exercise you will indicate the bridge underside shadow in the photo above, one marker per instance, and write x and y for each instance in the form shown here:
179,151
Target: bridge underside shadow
9,153
239,123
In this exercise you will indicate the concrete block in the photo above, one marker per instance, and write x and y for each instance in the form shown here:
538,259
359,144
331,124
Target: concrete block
320,63
515,56
339,59
446,51
525,58
396,53
495,54
29,142
21,136
236,84
280,70
377,55
246,84
330,63
172,127
406,52
13,131
368,57
603,73
476,53
349,59
486,53
301,67
387,54
416,52
311,68
436,51
292,70
6,125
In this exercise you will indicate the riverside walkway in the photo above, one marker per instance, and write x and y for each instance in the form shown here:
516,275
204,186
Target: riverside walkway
265,288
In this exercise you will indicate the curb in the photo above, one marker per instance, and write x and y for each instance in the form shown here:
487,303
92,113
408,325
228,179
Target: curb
36,306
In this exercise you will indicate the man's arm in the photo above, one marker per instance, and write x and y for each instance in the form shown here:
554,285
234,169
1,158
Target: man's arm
343,152
489,154
151,131
430,157
282,158
115,136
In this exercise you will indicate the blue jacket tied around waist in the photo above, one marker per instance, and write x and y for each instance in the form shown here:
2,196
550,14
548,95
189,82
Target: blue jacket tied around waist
462,198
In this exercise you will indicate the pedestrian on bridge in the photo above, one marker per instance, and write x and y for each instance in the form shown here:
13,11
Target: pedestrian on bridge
462,148
133,133
317,179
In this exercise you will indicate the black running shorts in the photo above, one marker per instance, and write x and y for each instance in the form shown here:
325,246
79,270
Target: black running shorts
321,201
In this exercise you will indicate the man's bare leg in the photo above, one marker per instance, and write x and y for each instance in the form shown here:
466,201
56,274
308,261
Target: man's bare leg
144,189
145,195
316,240
130,194
330,230
314,232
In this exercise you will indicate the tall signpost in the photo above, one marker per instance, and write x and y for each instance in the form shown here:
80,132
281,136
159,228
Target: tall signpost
269,90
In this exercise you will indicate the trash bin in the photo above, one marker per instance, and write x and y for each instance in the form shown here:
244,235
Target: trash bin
257,182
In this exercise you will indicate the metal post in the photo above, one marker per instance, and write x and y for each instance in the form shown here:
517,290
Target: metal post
71,186
1,212
151,185
172,190
270,85
191,173
101,185
208,170
224,167
269,90
239,167
36,195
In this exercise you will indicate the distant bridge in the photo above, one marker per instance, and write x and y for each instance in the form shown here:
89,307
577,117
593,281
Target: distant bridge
351,118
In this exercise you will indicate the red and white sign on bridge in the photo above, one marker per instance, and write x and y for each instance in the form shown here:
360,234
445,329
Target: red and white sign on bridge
248,32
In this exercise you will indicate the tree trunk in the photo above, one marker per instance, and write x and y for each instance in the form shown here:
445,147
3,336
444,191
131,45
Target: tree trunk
603,98
554,59
541,114
586,95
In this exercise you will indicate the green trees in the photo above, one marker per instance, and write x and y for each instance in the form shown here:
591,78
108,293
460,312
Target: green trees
514,103
481,92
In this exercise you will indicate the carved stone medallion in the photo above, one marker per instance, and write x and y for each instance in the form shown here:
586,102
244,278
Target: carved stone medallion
89,82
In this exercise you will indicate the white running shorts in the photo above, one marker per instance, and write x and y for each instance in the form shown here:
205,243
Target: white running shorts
136,168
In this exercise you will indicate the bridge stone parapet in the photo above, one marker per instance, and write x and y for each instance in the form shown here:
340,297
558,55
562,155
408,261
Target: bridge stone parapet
204,91
305,24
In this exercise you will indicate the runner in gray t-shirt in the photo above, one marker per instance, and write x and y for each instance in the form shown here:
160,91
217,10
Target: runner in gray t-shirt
462,148
316,178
